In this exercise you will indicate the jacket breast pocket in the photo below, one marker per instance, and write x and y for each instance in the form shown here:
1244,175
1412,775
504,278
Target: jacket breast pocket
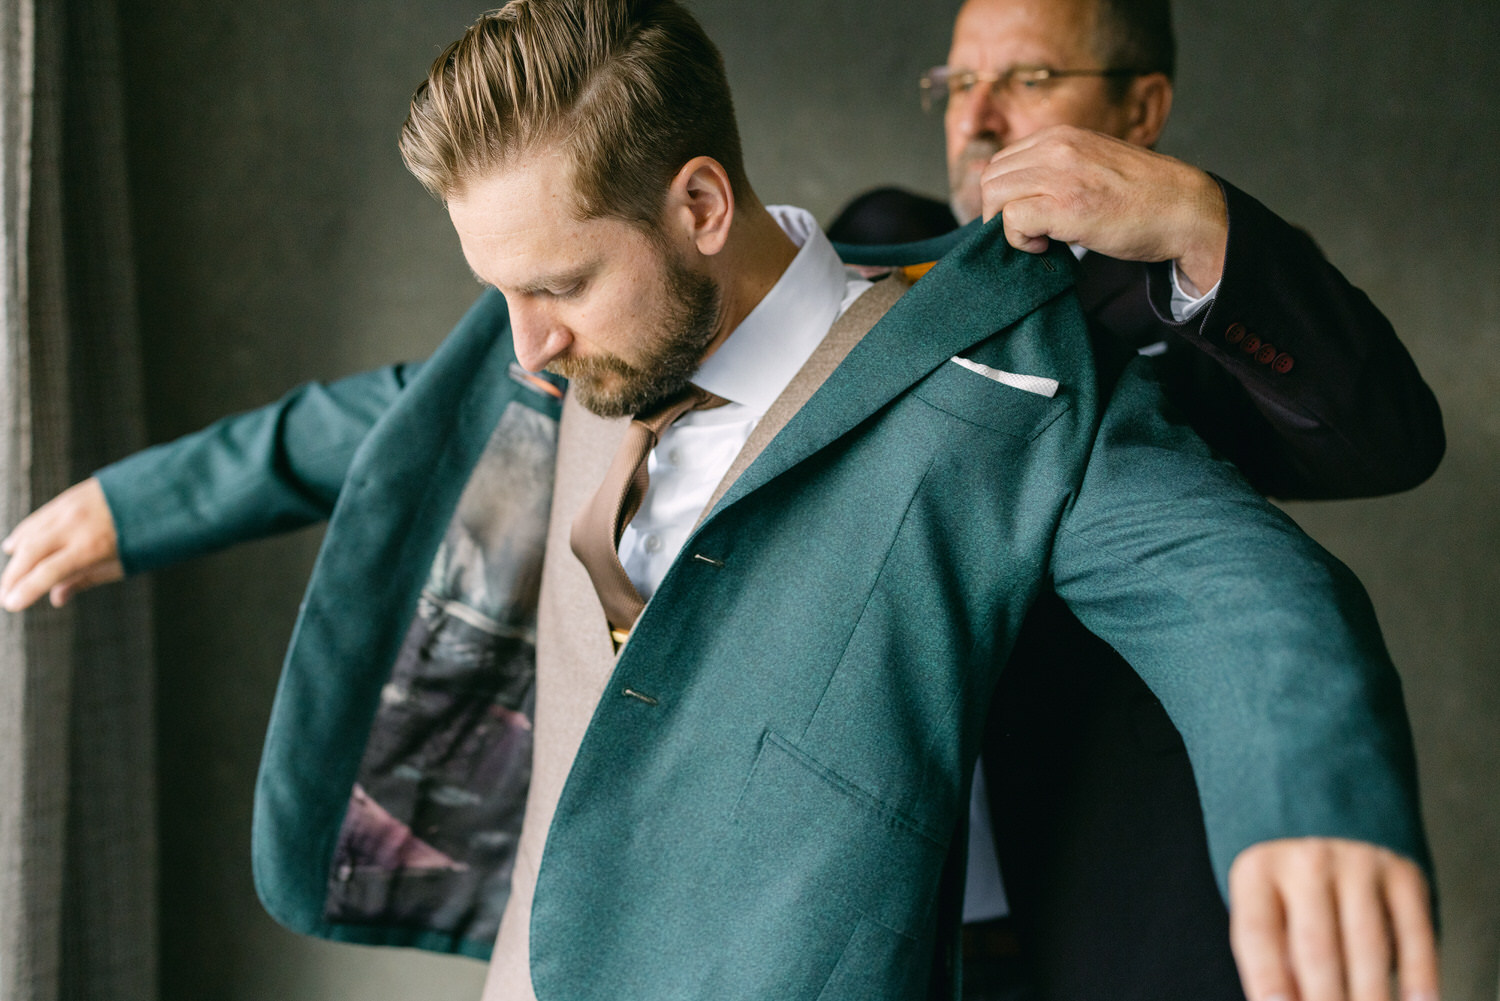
986,401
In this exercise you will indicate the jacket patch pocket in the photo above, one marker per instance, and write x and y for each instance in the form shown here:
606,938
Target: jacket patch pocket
876,963
816,842
1012,403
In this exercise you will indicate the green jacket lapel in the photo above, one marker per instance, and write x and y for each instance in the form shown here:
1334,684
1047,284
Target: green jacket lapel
980,287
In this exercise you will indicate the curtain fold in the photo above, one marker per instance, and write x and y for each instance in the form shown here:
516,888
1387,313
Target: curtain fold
33,755
77,793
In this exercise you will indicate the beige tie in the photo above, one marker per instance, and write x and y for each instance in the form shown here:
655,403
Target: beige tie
596,531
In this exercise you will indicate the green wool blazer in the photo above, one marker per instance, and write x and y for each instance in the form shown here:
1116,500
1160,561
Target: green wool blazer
777,817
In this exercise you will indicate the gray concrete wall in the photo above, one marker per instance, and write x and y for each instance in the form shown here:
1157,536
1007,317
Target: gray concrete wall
280,240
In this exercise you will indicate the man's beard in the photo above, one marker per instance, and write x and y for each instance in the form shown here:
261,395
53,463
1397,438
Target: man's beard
612,387
963,177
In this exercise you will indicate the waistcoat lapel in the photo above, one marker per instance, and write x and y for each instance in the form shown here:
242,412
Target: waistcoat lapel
574,662
846,332
570,609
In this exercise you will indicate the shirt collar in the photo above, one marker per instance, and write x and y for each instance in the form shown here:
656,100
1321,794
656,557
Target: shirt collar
760,356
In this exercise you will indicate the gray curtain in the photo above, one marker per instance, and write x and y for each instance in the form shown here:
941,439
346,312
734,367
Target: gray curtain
77,796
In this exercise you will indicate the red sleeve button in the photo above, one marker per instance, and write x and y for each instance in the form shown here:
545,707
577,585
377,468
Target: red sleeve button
1235,333
1250,344
1283,363
1266,354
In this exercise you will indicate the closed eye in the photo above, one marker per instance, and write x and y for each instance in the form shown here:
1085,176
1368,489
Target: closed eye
565,286
569,291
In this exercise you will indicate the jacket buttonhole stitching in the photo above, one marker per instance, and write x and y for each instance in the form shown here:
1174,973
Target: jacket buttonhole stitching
632,693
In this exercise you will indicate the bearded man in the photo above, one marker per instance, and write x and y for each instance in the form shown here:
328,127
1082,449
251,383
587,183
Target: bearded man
674,687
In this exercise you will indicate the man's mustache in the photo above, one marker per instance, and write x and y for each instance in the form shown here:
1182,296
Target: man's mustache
979,150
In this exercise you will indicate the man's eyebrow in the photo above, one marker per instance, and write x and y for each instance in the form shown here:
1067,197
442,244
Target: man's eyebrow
542,286
553,283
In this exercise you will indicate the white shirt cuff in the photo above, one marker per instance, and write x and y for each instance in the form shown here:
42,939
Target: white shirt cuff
1185,306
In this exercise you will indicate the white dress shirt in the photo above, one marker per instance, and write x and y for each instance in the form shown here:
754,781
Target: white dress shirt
750,369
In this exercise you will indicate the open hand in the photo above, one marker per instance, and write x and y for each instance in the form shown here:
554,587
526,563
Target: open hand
1325,919
65,546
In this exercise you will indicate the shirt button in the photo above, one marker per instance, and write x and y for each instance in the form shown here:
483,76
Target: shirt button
651,543
674,456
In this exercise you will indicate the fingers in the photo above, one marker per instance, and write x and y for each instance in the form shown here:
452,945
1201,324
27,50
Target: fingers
65,546
1027,224
1060,184
1258,936
42,571
26,547
1366,937
1387,912
1314,942
1038,201
1105,195
1323,919
102,573
1019,175
1410,905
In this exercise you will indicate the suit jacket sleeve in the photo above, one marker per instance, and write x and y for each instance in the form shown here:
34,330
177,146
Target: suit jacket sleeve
1263,648
250,475
1297,376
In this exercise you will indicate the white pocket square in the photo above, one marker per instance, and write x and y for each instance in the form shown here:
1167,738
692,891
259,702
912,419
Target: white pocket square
1029,383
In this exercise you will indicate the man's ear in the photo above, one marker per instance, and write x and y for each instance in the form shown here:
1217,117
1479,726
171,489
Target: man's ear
1147,103
700,204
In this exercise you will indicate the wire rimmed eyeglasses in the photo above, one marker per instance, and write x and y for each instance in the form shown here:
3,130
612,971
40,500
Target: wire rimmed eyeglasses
942,84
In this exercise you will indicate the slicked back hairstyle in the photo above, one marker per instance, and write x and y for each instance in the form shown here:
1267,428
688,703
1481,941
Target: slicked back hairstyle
630,89
1135,34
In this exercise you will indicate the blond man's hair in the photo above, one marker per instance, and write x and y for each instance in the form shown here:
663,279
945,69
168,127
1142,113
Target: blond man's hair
630,89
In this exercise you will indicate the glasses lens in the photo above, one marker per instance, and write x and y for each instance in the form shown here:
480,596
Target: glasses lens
1029,80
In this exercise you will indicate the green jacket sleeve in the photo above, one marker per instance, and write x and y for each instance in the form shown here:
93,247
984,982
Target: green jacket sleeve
1262,646
250,475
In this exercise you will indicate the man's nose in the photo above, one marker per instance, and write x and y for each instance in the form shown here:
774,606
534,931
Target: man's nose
536,335
980,112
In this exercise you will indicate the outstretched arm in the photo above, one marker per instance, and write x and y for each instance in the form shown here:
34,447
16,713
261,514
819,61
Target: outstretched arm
247,476
1265,652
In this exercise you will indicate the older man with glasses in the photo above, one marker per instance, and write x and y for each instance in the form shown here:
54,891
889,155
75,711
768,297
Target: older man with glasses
1051,109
